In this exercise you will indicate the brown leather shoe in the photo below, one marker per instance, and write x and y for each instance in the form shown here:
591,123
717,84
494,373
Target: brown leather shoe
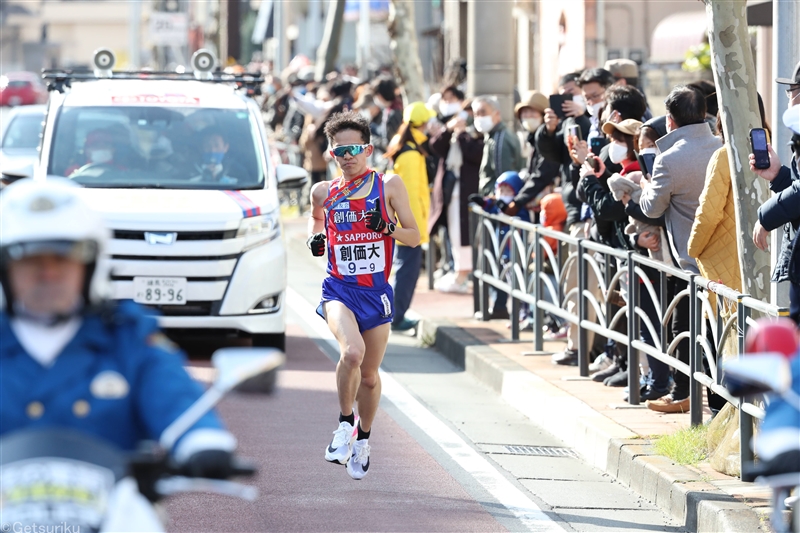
666,404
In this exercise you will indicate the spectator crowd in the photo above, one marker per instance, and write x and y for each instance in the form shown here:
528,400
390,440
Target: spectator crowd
591,161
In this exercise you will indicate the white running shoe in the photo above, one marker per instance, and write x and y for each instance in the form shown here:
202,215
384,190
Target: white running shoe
338,450
358,464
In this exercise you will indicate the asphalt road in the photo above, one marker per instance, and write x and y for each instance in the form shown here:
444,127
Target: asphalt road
439,458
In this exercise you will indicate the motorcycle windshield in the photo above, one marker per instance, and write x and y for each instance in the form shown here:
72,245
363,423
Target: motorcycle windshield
57,478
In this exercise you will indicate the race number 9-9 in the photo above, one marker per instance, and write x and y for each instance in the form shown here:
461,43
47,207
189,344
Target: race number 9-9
356,259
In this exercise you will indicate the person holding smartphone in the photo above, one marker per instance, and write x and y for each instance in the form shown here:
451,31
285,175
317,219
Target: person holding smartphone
539,173
783,209
460,150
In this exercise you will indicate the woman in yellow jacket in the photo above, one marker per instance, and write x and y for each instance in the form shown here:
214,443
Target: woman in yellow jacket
713,241
407,153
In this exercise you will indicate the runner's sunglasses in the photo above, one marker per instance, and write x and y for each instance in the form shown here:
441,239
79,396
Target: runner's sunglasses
352,149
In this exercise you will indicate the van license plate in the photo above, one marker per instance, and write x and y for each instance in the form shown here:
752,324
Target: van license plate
159,291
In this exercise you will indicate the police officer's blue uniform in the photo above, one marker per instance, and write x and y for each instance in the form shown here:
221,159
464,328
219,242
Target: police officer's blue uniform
119,378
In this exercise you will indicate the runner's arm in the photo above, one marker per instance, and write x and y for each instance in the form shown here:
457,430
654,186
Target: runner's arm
316,222
397,199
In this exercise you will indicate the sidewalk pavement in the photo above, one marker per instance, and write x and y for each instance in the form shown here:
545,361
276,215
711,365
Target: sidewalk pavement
589,417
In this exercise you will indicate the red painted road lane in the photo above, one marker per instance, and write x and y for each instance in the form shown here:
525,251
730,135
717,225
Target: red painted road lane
406,489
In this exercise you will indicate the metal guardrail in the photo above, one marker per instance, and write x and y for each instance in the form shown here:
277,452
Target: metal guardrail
509,255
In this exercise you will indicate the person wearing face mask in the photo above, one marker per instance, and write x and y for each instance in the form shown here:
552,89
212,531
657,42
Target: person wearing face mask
98,150
501,149
679,172
388,118
506,188
609,223
540,173
460,150
407,156
215,166
783,209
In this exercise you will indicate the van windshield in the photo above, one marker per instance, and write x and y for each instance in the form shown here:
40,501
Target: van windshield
157,147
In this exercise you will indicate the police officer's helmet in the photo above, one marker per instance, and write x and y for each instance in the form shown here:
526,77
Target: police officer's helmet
50,216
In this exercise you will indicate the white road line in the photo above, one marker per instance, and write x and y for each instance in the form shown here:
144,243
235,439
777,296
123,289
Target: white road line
516,501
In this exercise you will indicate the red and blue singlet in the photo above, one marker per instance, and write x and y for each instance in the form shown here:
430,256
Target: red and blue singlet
356,254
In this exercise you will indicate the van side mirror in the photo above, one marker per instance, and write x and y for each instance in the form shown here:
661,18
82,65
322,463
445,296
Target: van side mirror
291,176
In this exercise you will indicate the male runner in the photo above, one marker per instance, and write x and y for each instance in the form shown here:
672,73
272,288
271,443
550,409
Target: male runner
356,213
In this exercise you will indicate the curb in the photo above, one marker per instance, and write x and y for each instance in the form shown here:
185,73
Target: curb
604,444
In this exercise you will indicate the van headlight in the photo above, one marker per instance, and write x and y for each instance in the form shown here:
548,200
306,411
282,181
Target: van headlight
259,230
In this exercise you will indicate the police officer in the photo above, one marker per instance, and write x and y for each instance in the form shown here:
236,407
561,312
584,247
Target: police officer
69,356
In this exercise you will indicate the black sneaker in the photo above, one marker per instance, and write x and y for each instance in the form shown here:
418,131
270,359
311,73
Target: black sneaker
620,379
653,394
607,373
566,358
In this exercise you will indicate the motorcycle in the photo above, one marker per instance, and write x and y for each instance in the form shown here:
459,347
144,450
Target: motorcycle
766,369
57,478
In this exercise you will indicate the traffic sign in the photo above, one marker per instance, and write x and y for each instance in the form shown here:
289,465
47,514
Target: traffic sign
169,29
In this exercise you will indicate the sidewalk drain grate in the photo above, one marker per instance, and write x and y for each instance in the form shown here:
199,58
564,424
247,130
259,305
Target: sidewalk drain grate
541,451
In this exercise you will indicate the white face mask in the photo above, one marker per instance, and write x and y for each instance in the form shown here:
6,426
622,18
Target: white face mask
484,124
578,99
791,119
100,156
531,124
617,152
448,109
506,199
645,151
595,109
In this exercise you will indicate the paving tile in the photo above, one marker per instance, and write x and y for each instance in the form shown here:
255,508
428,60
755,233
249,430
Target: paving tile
589,494
558,468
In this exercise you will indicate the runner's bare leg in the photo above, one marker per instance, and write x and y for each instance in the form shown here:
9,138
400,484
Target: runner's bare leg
369,391
343,325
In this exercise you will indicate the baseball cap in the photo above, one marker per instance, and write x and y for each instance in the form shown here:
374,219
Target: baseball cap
622,68
628,126
418,113
794,80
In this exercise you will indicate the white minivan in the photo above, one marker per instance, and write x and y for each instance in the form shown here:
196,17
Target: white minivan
180,167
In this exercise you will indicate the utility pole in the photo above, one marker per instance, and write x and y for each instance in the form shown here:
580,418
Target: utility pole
328,51
135,35
490,42
734,76
222,32
363,36
405,49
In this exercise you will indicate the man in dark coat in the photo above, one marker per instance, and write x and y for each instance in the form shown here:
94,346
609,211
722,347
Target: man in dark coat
783,209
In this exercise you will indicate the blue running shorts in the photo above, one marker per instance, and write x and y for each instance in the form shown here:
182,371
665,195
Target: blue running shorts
372,306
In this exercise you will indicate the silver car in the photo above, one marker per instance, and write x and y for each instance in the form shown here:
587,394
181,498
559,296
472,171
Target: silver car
20,138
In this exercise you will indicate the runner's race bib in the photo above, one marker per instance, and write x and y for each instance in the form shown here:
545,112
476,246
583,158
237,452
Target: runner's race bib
355,259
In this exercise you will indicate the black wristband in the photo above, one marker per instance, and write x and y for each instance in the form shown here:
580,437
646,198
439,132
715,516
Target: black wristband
390,227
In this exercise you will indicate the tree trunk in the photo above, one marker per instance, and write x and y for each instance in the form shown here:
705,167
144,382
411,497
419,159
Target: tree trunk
734,76
405,51
328,51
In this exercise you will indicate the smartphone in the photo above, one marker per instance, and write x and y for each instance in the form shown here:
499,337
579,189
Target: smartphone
593,162
556,103
646,163
575,131
597,144
758,142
